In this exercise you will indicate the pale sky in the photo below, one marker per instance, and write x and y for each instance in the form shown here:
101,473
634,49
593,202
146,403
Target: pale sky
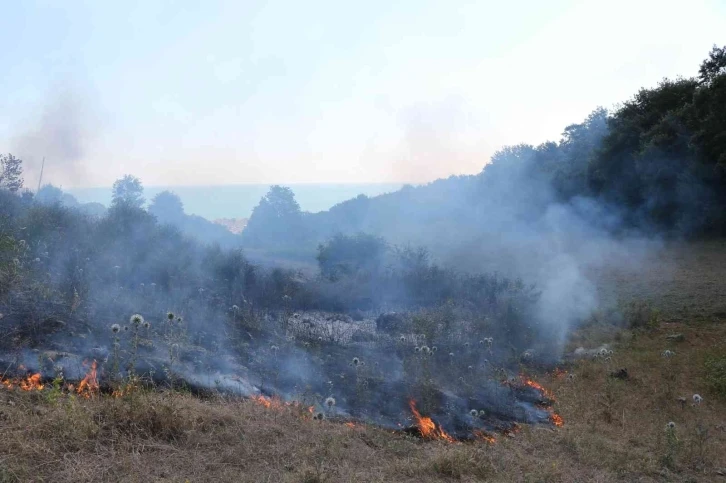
215,92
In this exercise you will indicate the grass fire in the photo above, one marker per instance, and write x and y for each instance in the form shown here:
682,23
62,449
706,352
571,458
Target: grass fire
421,303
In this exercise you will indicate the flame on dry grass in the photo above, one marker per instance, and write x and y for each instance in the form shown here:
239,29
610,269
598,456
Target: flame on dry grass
538,386
88,387
276,403
482,436
29,383
555,418
428,428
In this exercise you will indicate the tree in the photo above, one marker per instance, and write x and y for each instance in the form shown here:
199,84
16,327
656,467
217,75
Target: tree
11,171
128,191
167,207
276,220
49,195
714,66
347,255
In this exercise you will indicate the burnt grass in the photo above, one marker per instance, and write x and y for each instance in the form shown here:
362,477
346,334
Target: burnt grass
614,428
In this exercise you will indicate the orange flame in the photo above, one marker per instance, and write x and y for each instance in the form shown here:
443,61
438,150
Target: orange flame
269,403
556,418
482,436
427,426
88,387
539,387
30,383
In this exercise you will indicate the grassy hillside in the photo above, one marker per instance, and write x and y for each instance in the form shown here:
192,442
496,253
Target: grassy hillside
614,429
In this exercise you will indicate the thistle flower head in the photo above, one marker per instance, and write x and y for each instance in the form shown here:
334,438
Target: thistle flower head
330,402
356,361
402,339
170,316
451,354
136,319
425,349
179,319
274,348
697,399
417,349
434,349
474,413
147,325
482,413
670,426
319,416
115,328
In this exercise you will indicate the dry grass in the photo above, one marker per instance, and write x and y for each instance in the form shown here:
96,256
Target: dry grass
614,430
685,280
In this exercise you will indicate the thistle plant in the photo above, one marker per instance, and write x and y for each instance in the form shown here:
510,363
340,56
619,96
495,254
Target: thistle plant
115,361
136,320
672,445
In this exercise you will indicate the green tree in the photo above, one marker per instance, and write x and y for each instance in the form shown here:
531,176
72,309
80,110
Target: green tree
167,207
128,191
714,66
346,255
11,172
276,220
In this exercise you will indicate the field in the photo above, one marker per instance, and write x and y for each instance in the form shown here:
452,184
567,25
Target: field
615,429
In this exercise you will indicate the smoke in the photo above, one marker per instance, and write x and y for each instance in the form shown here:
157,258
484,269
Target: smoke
457,347
435,137
60,131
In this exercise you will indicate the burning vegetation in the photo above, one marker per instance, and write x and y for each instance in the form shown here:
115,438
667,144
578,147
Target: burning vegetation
208,320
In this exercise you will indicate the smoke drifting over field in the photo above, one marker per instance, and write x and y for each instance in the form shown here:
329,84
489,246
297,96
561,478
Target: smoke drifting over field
61,133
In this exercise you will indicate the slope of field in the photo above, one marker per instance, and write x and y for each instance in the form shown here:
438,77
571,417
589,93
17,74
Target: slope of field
685,281
615,428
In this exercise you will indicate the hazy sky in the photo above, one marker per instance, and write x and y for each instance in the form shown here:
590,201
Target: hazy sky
186,92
